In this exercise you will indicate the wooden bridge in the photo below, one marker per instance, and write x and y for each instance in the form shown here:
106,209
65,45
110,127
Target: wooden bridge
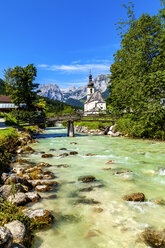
74,118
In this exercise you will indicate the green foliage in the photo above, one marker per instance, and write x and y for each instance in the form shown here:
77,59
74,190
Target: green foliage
137,82
20,116
42,104
8,144
20,86
2,87
56,107
9,212
146,126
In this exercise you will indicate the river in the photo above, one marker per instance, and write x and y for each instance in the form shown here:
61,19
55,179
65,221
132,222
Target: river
106,220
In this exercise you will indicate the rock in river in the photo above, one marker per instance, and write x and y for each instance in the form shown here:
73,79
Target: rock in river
43,165
33,196
7,190
16,179
90,154
19,199
87,179
42,216
6,238
46,155
63,155
18,230
136,197
122,172
154,238
43,188
73,153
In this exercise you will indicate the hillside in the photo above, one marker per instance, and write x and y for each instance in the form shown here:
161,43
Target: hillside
55,106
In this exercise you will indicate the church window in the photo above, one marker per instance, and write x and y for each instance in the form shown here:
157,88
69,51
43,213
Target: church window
91,91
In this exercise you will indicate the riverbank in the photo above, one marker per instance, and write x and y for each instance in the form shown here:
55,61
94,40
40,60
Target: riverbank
17,223
103,130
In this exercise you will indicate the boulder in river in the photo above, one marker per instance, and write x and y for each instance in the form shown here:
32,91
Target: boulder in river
43,188
87,189
46,155
62,165
85,200
52,150
87,179
26,149
110,162
158,201
73,143
33,196
43,165
7,190
6,238
122,172
90,154
63,155
73,153
18,230
19,199
154,238
14,179
136,197
43,182
63,149
44,217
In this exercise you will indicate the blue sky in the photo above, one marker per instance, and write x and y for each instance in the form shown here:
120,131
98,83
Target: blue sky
63,38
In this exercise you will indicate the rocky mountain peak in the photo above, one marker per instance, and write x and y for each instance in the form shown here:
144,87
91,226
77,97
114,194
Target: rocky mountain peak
54,92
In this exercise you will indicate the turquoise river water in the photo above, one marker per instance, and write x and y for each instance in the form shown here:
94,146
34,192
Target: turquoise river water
104,219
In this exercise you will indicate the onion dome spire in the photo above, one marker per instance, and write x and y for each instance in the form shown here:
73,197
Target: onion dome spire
90,84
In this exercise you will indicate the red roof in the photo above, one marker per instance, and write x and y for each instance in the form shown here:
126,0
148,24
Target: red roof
5,99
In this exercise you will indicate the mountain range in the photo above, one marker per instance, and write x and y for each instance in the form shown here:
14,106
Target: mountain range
74,96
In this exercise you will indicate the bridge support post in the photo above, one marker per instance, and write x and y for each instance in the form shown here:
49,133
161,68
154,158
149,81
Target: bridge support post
70,129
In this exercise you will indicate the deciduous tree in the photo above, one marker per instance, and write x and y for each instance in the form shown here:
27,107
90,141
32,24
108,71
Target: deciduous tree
20,84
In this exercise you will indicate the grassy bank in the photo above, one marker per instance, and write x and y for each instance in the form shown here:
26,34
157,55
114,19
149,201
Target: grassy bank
93,124
8,144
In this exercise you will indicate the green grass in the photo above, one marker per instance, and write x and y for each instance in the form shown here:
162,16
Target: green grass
8,132
93,124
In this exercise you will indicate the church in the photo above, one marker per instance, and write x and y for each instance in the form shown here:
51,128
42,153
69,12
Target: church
95,102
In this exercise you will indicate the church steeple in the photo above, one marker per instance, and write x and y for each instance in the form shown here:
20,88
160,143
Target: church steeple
90,87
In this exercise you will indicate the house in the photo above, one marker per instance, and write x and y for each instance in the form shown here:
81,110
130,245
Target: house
95,102
6,104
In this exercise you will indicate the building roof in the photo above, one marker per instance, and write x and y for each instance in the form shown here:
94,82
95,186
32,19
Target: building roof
5,99
95,97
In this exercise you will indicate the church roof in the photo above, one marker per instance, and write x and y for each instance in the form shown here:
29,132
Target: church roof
96,97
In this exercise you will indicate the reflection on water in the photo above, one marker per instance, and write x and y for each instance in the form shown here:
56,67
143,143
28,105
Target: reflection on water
93,215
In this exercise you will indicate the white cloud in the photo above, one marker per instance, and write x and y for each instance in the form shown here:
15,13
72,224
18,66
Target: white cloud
42,66
100,68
